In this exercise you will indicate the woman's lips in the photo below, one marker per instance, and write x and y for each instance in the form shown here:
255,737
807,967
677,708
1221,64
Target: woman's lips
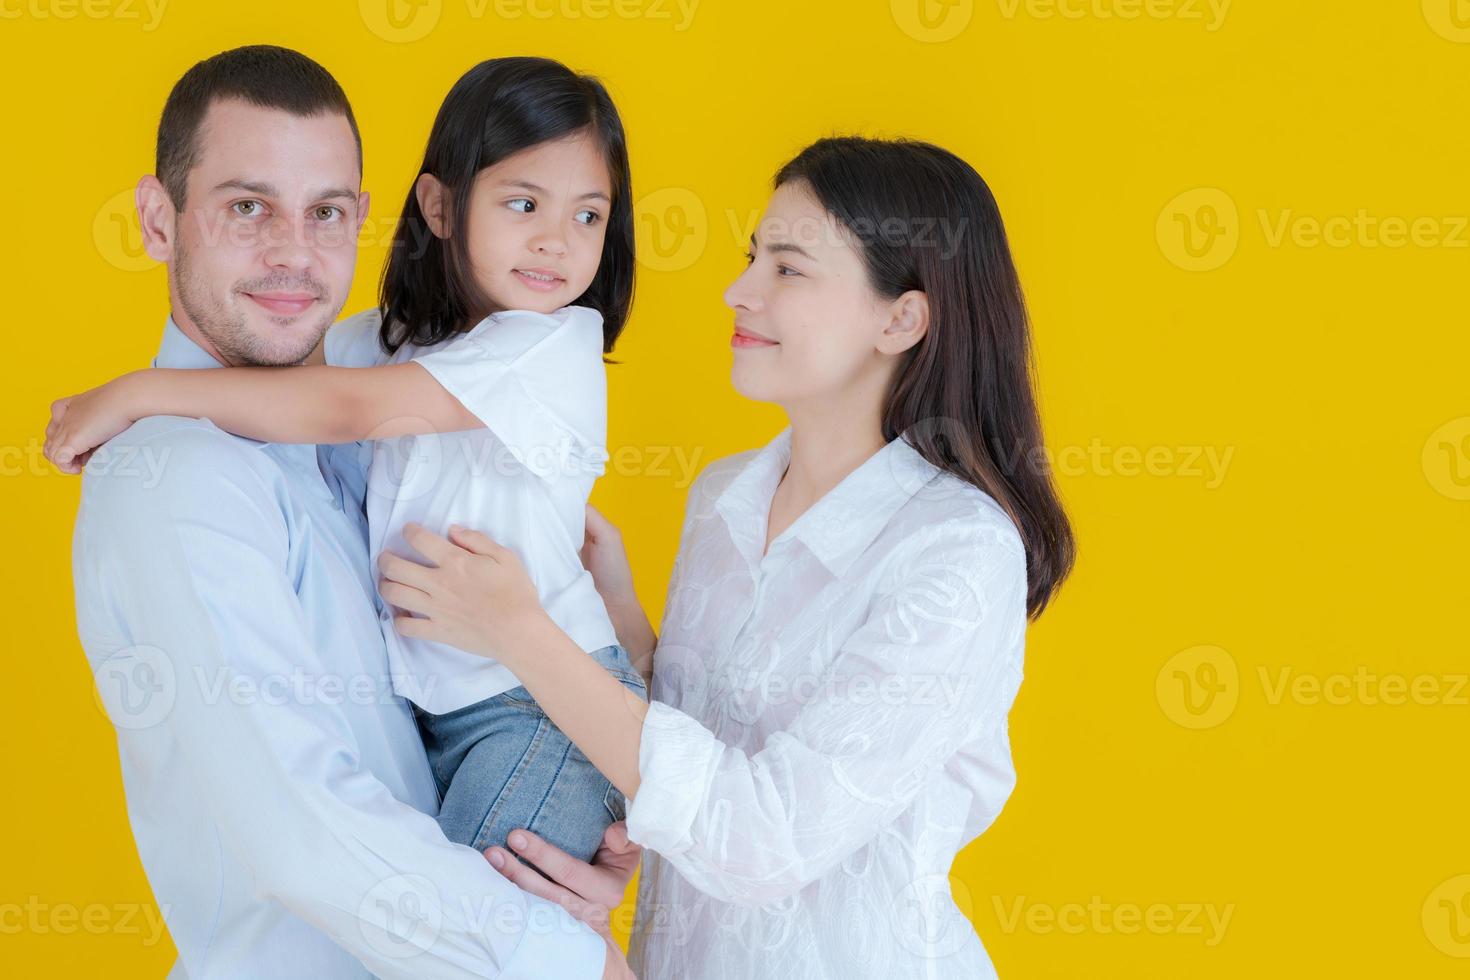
742,339
541,285
284,304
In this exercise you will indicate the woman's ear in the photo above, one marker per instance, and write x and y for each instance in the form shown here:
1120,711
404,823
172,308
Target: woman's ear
433,200
908,322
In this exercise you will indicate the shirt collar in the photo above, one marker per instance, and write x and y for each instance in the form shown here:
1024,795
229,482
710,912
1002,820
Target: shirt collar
842,524
177,350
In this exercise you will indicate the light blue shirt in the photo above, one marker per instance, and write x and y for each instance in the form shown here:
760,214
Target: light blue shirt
278,791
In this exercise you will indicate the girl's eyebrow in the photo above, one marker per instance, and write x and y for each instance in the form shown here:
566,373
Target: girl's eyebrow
538,189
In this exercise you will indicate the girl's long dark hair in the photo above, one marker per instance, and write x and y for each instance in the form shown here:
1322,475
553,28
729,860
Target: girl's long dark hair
498,108
963,394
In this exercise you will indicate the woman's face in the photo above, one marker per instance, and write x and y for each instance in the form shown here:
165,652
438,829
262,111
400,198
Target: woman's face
537,220
808,326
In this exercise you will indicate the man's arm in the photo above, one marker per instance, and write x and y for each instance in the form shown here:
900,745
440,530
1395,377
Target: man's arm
191,566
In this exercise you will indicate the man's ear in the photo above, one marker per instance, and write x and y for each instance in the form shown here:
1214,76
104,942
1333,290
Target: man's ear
364,200
433,201
157,218
908,322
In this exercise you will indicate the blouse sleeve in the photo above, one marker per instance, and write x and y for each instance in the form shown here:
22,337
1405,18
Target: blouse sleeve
936,665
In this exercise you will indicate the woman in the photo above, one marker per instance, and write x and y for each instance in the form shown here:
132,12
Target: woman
844,629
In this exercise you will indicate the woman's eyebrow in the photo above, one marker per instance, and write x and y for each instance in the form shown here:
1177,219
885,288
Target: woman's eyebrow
783,247
538,189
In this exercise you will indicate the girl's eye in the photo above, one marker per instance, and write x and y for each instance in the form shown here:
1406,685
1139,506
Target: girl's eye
592,217
530,205
246,209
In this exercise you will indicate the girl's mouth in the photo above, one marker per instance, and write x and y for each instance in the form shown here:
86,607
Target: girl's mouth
539,279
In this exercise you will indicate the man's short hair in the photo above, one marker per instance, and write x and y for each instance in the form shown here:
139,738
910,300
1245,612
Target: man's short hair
261,74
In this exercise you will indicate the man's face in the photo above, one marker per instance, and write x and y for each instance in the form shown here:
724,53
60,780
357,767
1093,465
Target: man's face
263,253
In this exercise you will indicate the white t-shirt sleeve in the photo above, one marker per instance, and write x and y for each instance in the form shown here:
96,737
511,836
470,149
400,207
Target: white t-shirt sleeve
536,380
353,342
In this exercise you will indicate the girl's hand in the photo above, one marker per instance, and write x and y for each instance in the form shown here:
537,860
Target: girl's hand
605,557
81,423
476,595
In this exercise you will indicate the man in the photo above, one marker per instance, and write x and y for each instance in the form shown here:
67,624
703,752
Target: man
279,794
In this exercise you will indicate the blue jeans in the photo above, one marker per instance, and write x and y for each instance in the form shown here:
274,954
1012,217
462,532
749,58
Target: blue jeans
501,764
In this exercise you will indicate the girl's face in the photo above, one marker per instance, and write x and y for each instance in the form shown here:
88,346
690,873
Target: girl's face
536,223
809,328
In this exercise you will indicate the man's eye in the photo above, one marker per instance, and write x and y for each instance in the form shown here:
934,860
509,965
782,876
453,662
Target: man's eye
592,217
328,212
246,209
530,205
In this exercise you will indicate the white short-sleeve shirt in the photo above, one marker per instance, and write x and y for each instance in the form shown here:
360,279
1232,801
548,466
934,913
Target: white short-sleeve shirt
537,382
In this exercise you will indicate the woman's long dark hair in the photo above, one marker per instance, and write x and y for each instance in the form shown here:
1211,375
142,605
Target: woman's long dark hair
498,108
962,396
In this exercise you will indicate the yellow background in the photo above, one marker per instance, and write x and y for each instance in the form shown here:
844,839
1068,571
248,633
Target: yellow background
1162,169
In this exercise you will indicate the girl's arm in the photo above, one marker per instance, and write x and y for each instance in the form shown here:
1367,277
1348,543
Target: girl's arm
310,404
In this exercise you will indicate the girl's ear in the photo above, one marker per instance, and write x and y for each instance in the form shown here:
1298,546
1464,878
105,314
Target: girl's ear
908,322
433,201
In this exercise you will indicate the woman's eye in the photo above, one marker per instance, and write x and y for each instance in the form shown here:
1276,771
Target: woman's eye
781,270
588,217
246,209
749,257
514,205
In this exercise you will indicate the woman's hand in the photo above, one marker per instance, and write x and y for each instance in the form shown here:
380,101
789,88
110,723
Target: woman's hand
476,595
588,891
81,423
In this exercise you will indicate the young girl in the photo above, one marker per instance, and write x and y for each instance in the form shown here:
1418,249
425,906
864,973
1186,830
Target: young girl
844,629
481,381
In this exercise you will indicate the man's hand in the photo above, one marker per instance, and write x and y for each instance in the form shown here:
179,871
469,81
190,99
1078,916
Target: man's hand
588,891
